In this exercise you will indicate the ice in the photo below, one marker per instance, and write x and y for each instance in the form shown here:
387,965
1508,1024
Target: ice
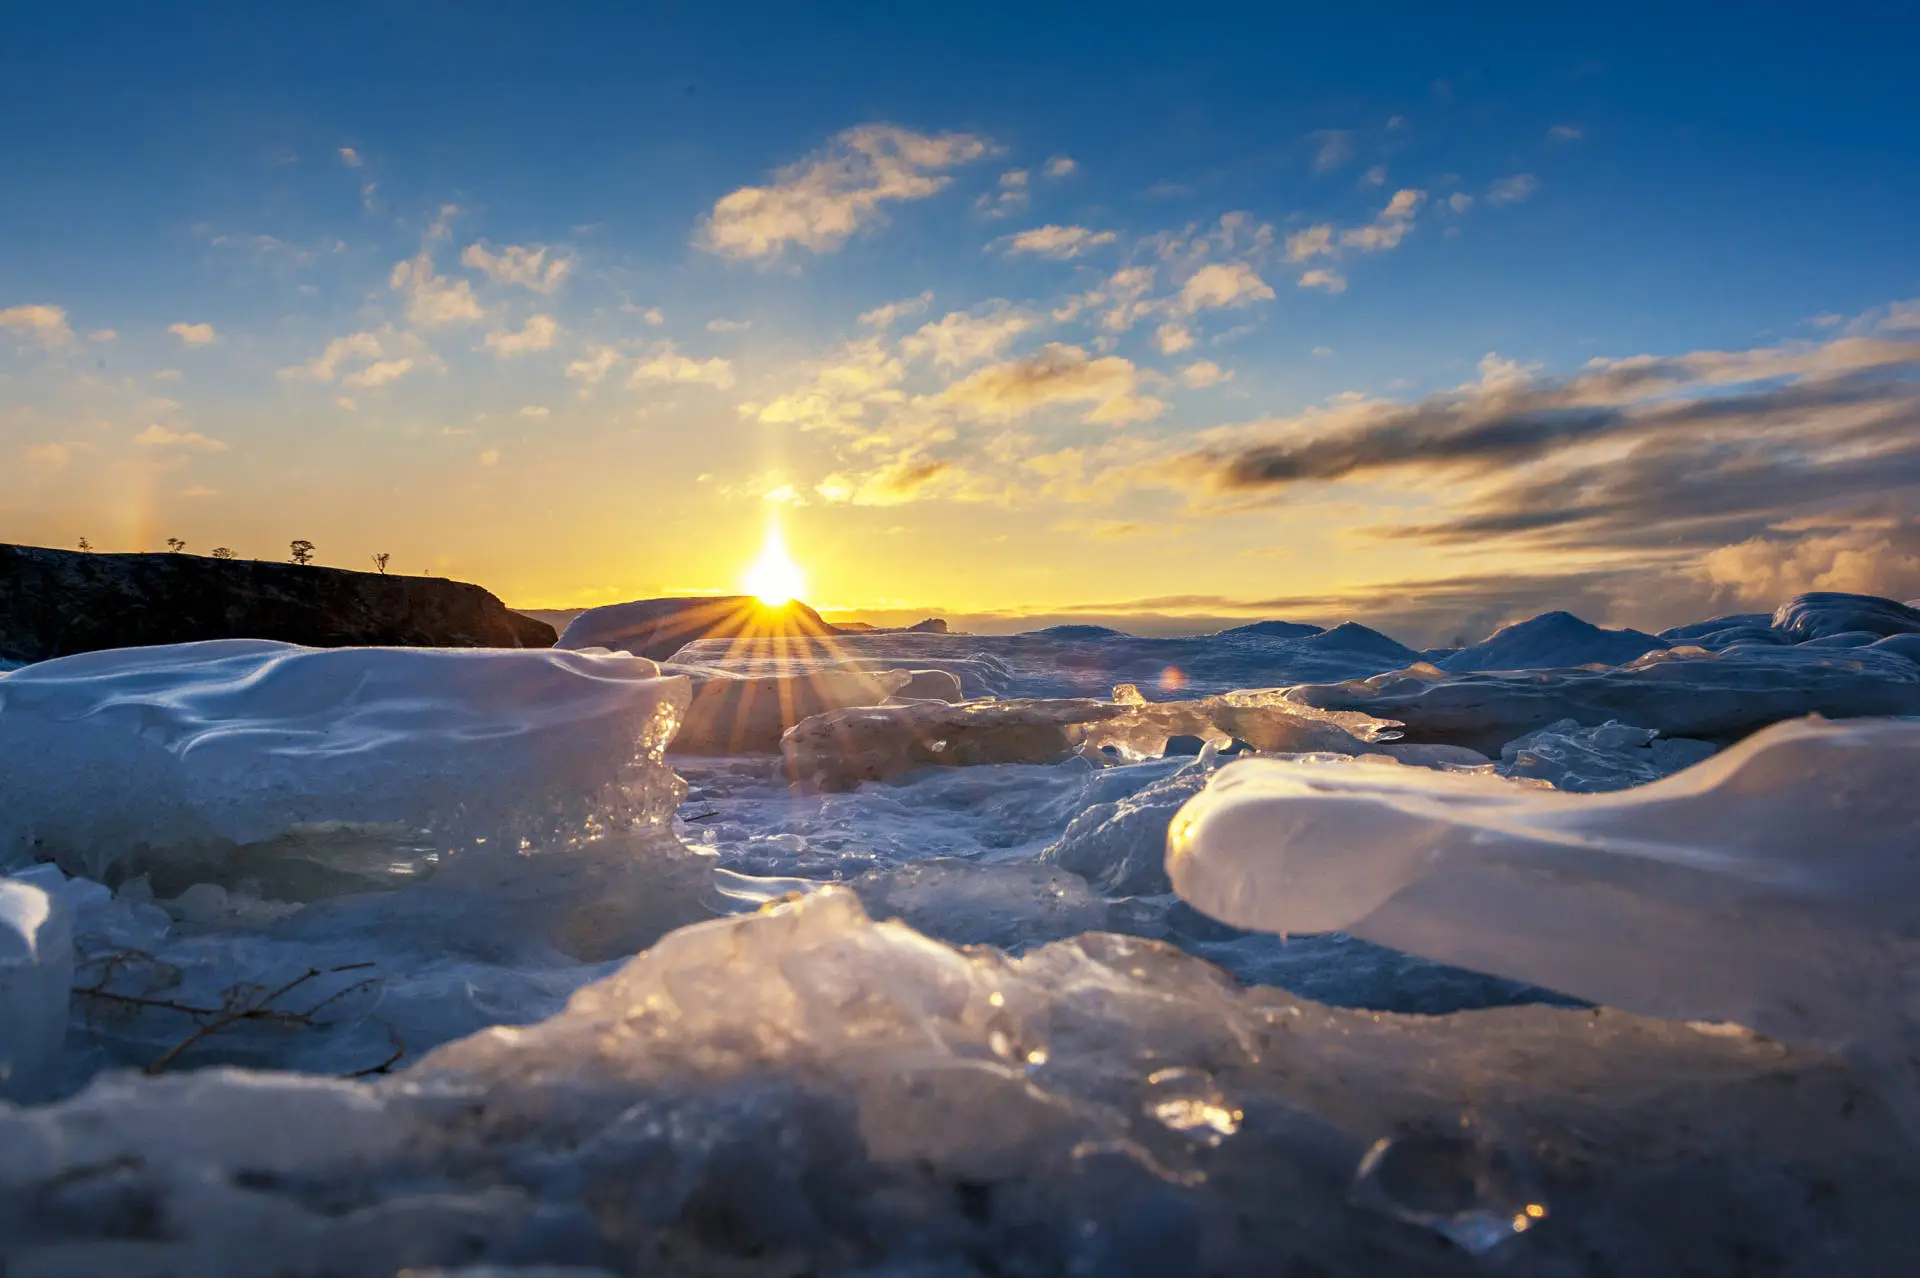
658,628
1549,640
1612,756
36,972
739,714
1682,692
1823,614
805,1090
286,761
1776,885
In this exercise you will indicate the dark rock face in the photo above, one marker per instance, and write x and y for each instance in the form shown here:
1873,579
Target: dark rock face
54,603
658,628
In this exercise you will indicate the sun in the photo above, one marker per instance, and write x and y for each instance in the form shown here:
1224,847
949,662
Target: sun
774,578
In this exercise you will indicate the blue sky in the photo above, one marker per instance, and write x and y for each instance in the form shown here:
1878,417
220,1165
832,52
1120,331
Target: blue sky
1327,217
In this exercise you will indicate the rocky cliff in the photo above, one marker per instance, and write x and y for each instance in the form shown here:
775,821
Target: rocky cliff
57,602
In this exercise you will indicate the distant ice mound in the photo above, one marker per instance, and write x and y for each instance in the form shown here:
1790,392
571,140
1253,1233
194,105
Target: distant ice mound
1273,630
1680,692
659,628
1823,614
140,753
1776,885
1552,639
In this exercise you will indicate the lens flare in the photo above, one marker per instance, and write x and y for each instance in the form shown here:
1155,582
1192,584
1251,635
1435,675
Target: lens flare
774,578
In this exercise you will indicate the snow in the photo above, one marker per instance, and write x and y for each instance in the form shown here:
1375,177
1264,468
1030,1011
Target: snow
1776,886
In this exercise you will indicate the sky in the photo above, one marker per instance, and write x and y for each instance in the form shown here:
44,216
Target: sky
1152,316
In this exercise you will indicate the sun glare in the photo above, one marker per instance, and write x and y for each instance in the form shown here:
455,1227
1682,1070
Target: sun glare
774,578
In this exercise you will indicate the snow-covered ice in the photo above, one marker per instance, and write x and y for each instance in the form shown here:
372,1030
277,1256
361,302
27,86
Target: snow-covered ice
1776,885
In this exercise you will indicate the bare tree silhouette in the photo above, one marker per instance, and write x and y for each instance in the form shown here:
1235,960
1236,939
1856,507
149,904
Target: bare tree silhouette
380,560
86,546
175,545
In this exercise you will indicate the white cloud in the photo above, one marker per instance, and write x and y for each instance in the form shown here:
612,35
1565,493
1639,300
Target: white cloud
1314,241
536,266
538,412
194,334
1389,227
818,203
434,301
158,436
1219,285
784,495
1324,279
1011,199
382,373
490,457
102,335
728,326
1336,149
1204,373
1056,241
324,366
46,325
1459,201
595,365
1173,338
346,403
959,338
885,315
536,335
1322,351
1513,190
174,374
1060,166
1564,133
1375,176
350,157
198,491
667,365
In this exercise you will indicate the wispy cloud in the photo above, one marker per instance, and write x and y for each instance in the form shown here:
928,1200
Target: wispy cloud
1334,147
158,436
194,334
536,334
1056,241
668,365
961,338
1517,189
434,301
535,266
820,202
1055,375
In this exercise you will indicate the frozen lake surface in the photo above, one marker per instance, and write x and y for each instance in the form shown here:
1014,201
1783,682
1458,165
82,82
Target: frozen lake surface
1547,954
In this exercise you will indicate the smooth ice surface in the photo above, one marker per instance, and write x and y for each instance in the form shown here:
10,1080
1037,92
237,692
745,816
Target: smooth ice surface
133,756
1776,885
36,973
806,1090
